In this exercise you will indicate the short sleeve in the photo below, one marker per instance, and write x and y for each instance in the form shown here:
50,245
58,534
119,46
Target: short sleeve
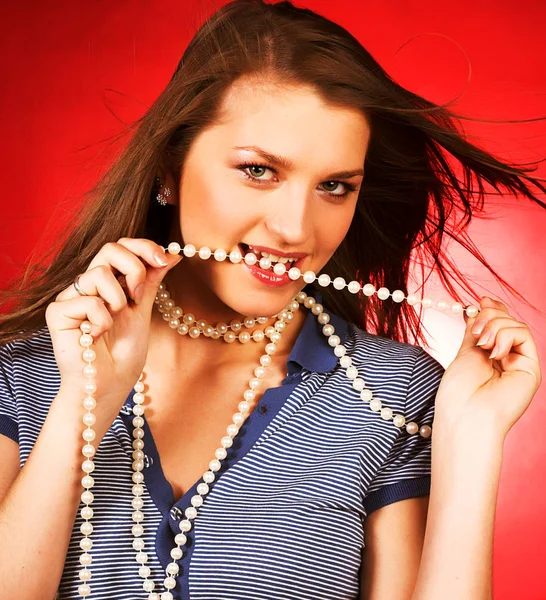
405,472
8,409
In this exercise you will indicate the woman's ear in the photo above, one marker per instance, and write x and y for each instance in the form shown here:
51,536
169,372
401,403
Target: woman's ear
167,186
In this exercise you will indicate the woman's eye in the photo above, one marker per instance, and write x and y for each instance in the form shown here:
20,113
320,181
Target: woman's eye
255,172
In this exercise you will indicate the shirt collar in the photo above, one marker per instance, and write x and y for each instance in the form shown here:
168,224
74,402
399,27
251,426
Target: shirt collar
311,349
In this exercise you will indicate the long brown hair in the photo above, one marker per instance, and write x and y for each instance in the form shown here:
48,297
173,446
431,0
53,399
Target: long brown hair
420,169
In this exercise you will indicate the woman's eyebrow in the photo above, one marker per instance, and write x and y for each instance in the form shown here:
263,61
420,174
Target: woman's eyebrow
286,163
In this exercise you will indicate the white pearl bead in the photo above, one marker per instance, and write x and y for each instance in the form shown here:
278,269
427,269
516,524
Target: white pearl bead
167,596
84,575
84,590
399,420
265,360
139,386
137,489
265,263
220,254
190,512
86,340
339,283
138,398
238,418
412,299
309,302
328,329
309,276
85,559
279,269
172,568
317,309
366,395
258,335
334,340
398,295
386,413
222,328
197,500
194,332
137,530
375,405
87,497
345,361
138,422
351,372
214,465
442,305
86,528
137,477
87,481
139,544
250,259
203,489
426,302
173,248
340,350
189,250
324,280
230,337
457,308
205,252
89,419
220,454
294,273
383,293
369,289
138,410
176,553
249,322
88,466
275,336
354,287
90,387
137,502
226,441
137,516
208,476
89,355
86,512
472,311
184,525
86,543
169,583
183,329
148,585
244,337
88,450
259,371
358,384
412,428
85,327
232,430
89,371
323,318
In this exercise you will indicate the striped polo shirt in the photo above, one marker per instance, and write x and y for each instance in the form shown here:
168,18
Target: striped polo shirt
286,514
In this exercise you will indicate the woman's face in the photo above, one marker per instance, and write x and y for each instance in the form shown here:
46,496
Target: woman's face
294,203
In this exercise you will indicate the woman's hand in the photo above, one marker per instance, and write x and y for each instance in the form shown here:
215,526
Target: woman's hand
119,327
482,394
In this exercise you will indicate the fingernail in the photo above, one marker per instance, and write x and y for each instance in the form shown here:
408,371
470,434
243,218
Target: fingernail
485,338
494,353
161,260
139,292
478,328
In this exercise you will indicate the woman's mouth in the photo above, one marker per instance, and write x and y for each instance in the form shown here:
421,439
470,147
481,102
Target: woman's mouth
268,276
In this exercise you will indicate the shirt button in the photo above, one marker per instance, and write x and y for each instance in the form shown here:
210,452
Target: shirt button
175,513
148,461
263,409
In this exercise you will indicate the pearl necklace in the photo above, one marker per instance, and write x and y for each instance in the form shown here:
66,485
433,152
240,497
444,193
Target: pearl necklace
172,314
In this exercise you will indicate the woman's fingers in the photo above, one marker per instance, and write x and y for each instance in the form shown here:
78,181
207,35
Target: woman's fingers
68,315
123,257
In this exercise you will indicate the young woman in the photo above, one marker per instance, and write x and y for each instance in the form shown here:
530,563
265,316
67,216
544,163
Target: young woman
279,138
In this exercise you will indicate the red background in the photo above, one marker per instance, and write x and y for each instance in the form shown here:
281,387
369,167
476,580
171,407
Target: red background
73,73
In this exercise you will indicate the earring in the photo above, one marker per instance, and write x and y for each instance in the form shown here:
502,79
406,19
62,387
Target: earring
162,196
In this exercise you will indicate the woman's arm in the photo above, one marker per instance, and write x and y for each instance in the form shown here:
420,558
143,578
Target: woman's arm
393,538
458,548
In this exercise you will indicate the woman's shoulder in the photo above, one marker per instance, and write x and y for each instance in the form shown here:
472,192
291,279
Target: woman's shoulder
29,361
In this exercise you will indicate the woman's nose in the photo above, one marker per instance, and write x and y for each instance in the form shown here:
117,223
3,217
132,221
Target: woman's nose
290,221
